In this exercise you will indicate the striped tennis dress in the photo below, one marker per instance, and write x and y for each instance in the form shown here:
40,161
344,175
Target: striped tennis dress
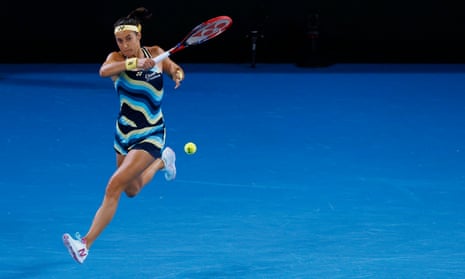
140,122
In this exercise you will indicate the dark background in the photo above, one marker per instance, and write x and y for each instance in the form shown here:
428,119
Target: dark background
372,31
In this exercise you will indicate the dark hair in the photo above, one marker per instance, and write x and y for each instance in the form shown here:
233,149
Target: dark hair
135,17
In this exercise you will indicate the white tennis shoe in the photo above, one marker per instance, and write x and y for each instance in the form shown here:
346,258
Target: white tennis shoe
76,247
169,158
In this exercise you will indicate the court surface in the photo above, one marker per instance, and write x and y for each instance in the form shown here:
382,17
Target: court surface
348,171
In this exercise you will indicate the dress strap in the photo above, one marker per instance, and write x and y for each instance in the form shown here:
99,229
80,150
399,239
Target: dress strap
146,53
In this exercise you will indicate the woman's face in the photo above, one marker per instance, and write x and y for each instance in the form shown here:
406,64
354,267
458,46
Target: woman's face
128,42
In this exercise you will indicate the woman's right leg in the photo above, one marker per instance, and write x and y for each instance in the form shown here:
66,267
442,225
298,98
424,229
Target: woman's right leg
132,167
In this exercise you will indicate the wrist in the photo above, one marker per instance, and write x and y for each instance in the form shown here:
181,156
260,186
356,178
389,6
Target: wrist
130,63
179,74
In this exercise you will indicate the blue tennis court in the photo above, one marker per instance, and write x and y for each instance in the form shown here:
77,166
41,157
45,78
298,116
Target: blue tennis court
348,171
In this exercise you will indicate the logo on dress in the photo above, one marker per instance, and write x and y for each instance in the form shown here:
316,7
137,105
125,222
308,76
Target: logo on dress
152,75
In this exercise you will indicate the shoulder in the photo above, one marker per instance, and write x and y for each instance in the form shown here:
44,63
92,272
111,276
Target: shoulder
115,56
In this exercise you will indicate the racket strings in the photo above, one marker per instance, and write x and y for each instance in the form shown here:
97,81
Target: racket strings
208,31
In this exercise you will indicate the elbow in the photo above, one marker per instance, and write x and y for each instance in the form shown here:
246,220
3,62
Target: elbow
102,72
105,71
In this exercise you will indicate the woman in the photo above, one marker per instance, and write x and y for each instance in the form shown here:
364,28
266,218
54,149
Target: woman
140,129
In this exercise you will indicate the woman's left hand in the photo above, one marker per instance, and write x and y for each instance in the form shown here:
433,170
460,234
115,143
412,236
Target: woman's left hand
178,78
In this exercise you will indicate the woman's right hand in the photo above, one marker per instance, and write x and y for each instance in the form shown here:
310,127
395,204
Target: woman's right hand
145,63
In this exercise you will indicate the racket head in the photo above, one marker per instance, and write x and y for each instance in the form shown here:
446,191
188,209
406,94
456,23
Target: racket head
207,30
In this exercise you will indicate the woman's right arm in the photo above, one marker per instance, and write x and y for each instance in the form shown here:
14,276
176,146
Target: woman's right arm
113,65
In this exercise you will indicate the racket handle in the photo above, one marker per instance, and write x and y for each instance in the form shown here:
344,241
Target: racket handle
161,57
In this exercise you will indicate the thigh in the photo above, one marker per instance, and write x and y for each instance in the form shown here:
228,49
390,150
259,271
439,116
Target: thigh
132,165
119,159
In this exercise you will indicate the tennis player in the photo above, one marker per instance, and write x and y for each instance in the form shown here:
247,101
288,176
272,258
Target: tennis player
140,129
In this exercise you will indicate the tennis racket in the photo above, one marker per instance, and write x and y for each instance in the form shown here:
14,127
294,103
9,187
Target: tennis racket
201,33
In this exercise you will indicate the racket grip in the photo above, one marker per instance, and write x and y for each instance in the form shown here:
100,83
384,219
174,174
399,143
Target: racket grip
161,57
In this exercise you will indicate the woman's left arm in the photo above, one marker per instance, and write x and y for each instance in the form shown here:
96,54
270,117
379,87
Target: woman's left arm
169,66
174,70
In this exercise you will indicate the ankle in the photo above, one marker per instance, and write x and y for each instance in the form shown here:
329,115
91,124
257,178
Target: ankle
86,242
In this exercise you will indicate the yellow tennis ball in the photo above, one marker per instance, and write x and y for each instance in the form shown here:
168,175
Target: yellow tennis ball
190,148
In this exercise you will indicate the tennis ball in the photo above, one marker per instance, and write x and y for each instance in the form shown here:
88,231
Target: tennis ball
190,148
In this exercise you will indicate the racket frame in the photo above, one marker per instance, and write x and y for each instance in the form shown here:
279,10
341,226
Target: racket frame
184,43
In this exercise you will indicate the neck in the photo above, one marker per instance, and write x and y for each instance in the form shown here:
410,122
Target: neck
137,54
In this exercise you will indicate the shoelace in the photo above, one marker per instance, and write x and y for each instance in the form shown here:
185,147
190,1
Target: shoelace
78,237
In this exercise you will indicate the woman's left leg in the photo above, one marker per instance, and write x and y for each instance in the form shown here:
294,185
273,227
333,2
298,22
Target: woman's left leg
136,186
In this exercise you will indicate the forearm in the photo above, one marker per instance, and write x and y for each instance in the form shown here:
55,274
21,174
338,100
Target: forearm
112,69
172,69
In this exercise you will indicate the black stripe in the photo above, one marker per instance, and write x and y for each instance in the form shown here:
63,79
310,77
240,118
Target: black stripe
146,52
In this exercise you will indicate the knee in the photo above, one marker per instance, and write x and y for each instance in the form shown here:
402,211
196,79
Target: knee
132,190
117,185
114,188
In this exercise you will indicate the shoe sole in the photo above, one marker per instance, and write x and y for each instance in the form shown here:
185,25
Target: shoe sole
172,164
